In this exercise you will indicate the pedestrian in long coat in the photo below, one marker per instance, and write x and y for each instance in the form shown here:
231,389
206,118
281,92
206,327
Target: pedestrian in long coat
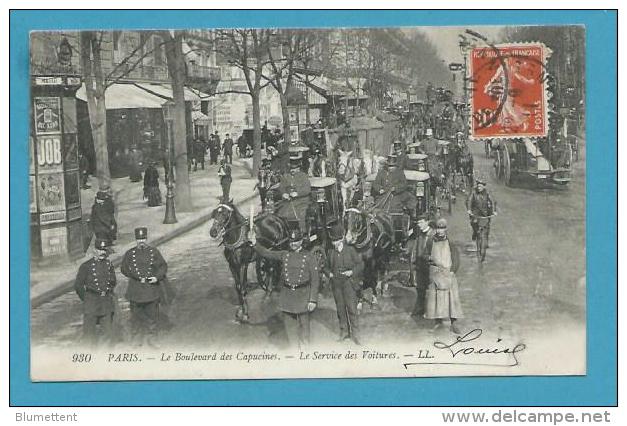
94,285
135,159
225,179
199,153
345,267
214,148
151,186
442,296
421,267
103,218
227,149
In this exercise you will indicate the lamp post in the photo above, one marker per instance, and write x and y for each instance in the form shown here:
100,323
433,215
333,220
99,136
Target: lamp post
464,46
170,209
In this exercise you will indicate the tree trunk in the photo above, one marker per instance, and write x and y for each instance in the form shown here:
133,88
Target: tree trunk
256,133
286,118
307,112
176,68
287,138
99,136
94,91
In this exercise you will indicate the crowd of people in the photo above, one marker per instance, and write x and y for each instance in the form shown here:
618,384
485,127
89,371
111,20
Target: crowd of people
289,196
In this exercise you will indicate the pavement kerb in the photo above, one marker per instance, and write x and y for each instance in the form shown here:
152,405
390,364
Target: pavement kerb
65,286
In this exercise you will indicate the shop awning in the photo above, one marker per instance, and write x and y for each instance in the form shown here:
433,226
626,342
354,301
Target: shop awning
125,96
199,118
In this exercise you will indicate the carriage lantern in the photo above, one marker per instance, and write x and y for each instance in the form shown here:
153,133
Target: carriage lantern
420,180
320,196
420,189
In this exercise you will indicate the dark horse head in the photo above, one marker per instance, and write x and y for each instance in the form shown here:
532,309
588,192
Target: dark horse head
226,218
356,223
272,231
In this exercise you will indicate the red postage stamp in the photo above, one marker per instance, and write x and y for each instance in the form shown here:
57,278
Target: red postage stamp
508,96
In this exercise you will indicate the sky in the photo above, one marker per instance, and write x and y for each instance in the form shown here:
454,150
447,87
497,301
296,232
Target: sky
446,39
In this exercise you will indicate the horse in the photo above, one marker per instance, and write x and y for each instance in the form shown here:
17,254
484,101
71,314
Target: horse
232,228
347,167
272,232
465,164
372,235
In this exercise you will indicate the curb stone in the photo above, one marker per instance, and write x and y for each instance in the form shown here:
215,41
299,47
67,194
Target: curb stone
116,258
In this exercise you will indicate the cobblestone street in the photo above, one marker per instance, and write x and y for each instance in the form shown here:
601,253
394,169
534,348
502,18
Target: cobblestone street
522,288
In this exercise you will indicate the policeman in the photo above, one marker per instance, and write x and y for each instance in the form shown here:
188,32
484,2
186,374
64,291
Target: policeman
295,191
345,267
94,285
146,271
479,204
300,282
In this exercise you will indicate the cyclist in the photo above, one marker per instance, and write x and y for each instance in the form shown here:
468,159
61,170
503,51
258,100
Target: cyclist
479,203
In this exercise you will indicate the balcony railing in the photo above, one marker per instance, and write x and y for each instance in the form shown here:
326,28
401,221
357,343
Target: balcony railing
140,72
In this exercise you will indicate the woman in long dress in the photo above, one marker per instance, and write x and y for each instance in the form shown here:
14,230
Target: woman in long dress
442,296
151,186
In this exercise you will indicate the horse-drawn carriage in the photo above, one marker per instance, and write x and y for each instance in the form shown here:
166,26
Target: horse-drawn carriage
545,160
272,231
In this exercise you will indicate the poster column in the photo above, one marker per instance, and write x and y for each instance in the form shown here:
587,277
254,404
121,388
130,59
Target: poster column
55,203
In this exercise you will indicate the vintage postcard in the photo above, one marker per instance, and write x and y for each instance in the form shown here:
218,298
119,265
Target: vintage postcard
307,203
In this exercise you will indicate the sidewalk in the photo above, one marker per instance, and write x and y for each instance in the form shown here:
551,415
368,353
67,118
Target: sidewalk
50,281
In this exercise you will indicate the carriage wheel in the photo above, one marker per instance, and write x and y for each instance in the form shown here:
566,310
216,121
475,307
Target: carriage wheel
263,268
498,164
507,166
569,157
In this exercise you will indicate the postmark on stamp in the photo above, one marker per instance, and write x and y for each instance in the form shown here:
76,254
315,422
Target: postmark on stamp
508,96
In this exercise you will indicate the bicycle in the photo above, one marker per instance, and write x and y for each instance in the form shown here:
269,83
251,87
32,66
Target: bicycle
483,233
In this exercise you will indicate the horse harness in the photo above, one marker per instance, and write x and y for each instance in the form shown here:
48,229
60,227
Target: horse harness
243,234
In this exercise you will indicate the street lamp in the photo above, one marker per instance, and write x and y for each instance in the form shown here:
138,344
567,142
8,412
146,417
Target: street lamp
170,209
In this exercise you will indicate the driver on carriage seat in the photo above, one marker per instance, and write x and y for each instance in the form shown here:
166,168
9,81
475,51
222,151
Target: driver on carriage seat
399,149
391,182
295,191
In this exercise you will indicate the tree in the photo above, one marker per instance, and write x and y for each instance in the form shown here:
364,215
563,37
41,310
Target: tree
91,66
96,84
283,54
177,71
246,50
